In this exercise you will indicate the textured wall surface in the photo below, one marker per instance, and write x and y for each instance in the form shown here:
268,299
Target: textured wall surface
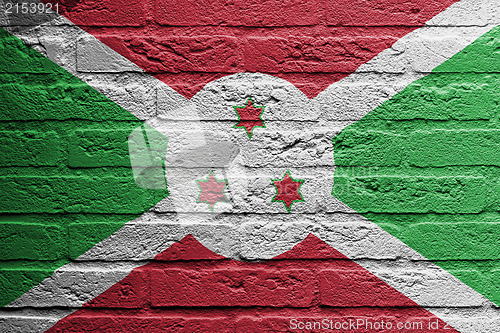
115,114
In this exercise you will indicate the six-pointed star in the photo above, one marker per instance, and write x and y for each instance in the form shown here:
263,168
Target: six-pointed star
249,117
212,190
288,190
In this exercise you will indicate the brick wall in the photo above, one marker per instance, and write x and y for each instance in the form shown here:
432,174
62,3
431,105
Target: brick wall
70,202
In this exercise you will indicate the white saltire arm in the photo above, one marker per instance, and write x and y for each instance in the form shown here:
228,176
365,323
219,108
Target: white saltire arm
149,235
412,57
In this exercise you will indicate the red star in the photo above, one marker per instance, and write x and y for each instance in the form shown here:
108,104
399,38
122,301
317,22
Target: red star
249,117
212,190
288,190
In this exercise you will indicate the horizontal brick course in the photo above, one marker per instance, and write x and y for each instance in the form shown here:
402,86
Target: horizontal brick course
463,194
71,288
235,287
310,55
252,13
86,195
99,148
175,54
31,148
421,148
374,13
453,147
464,241
127,323
417,169
44,100
342,288
105,13
32,241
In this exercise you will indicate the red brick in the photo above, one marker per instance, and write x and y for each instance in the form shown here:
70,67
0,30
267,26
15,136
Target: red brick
189,325
233,297
266,324
254,13
129,323
103,13
384,12
310,54
131,292
218,57
176,54
354,288
232,287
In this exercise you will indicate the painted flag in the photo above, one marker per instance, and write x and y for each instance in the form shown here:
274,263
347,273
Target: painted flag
66,176
249,167
424,165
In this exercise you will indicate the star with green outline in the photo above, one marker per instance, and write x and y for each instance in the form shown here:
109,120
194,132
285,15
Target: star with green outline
249,117
287,190
212,190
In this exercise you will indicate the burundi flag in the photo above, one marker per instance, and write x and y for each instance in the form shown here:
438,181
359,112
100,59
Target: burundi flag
249,166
